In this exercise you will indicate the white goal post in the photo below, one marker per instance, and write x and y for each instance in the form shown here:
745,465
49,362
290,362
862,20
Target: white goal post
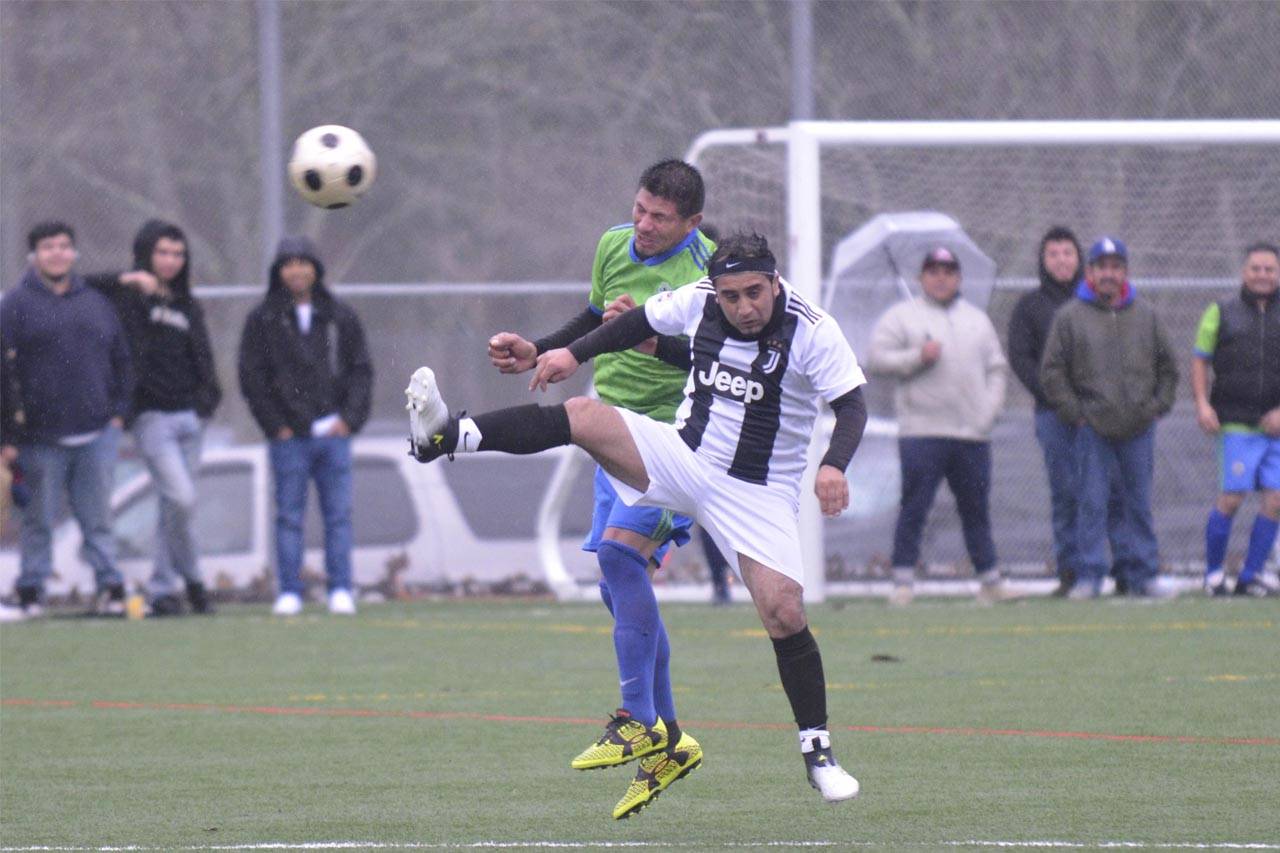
805,142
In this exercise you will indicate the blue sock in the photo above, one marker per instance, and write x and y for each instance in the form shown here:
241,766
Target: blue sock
1216,533
664,700
635,625
1261,539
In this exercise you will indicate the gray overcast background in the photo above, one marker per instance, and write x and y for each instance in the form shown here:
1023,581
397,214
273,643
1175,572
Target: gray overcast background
510,134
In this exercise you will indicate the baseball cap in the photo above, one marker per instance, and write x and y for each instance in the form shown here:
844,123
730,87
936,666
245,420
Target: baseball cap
1108,247
940,256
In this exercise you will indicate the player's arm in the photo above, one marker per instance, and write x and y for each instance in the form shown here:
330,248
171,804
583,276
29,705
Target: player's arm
1201,355
625,332
511,353
830,484
669,349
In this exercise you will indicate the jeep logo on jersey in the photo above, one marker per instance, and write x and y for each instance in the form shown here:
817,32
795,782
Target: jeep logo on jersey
728,382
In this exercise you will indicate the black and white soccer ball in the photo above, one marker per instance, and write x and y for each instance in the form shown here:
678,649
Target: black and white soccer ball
332,166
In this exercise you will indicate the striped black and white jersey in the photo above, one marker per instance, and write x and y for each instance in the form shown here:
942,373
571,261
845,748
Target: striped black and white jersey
750,404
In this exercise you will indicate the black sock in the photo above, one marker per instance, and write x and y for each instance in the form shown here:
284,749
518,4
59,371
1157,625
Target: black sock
673,734
800,665
523,429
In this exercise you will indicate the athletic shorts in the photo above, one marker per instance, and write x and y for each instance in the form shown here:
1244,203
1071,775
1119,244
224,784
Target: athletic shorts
1250,461
661,525
741,517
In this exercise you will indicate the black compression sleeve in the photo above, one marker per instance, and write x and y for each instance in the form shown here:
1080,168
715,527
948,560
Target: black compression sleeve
851,420
674,351
623,332
577,326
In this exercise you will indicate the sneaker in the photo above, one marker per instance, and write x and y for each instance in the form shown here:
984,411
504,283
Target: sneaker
624,739
199,598
166,605
902,595
287,604
341,602
1252,589
29,603
1160,587
109,602
11,614
429,421
825,773
656,773
1083,590
995,592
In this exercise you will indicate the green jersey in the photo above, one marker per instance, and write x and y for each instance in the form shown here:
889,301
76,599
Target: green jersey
630,379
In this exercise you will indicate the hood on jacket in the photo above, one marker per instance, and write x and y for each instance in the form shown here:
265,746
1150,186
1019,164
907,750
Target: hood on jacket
144,245
288,249
1059,232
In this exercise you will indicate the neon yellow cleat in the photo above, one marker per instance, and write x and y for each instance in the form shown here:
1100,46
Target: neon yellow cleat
656,773
624,740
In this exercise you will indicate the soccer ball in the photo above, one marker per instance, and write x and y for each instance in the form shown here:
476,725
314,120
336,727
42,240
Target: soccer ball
331,166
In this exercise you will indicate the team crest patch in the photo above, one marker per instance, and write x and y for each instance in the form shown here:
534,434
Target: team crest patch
665,287
1237,468
775,349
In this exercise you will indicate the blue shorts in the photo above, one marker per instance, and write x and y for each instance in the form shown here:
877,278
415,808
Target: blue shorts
1250,461
661,525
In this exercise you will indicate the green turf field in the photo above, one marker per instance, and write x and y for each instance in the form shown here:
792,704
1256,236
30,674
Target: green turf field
447,725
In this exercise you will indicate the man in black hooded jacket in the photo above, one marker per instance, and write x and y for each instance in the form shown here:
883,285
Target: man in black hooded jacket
1060,270
176,392
306,374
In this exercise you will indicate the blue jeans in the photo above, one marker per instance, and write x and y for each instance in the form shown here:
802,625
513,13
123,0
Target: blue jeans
1058,444
170,442
1126,468
84,474
966,465
327,460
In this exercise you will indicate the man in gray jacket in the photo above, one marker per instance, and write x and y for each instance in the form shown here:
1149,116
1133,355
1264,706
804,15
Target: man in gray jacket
1109,369
946,356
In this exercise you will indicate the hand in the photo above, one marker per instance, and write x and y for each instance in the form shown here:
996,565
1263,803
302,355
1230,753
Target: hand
621,305
511,353
142,281
8,454
1270,423
832,490
930,352
1208,419
554,365
340,429
284,434
117,422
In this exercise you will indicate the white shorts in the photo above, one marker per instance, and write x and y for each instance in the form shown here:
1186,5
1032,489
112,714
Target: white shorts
742,518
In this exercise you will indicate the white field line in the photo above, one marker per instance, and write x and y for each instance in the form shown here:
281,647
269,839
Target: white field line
593,845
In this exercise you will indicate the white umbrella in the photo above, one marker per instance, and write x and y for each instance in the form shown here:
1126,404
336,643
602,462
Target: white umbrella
879,264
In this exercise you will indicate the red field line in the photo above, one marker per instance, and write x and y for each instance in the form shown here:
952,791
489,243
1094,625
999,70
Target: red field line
303,711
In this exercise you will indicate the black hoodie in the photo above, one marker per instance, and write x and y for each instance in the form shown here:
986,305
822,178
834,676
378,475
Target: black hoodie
172,356
1033,315
291,379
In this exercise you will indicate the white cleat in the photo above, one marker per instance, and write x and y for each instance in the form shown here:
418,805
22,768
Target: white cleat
341,602
831,780
427,411
287,604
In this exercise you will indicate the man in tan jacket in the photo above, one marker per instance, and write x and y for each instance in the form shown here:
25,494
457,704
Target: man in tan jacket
946,356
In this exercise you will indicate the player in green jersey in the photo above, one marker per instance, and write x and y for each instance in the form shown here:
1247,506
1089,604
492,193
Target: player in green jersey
660,250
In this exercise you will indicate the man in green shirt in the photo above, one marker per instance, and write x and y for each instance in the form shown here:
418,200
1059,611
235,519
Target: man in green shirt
660,250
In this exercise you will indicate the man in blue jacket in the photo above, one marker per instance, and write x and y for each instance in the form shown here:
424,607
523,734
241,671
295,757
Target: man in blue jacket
67,381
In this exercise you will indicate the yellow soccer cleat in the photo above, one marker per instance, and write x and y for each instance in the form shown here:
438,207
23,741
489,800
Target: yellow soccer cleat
656,773
624,740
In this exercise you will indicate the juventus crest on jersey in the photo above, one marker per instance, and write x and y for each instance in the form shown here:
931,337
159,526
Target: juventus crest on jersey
750,403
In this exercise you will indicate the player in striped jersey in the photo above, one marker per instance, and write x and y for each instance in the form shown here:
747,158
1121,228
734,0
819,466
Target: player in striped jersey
659,250
762,356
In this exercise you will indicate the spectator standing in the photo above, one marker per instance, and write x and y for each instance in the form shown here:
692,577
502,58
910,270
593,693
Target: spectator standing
1238,341
1061,268
1109,369
306,375
67,381
950,371
177,390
